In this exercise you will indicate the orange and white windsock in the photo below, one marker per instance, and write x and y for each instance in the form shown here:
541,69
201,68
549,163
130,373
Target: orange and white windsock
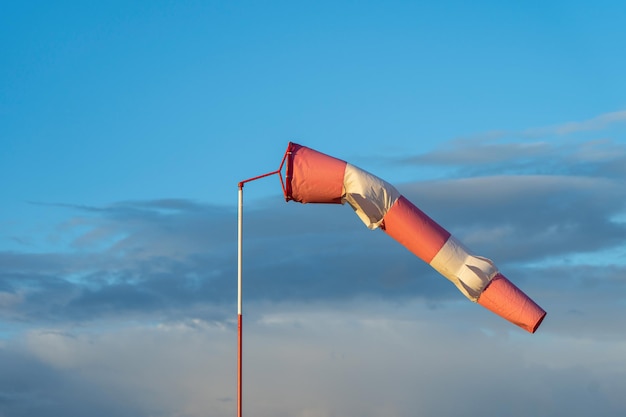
313,177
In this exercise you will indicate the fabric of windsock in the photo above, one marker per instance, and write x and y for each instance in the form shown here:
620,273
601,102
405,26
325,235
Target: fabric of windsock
314,177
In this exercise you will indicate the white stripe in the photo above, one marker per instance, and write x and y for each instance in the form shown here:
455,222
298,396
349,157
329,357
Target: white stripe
369,196
469,273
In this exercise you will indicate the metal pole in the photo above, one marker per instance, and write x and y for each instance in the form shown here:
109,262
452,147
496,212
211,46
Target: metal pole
239,274
239,310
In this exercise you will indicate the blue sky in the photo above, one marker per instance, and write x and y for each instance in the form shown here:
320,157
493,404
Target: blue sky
125,128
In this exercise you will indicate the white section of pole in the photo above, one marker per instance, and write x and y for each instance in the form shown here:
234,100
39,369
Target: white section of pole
239,247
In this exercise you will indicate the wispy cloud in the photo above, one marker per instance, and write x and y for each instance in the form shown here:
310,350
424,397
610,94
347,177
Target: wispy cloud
597,123
543,150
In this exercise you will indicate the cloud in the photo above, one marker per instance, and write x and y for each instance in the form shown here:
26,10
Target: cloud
366,359
598,157
600,122
30,387
553,150
167,255
531,217
134,371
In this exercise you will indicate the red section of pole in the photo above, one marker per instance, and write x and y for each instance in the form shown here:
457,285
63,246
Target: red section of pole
239,367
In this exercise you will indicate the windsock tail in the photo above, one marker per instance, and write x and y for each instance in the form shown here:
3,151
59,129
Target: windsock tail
509,302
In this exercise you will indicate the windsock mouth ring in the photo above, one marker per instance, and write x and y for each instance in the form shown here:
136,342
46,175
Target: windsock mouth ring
287,162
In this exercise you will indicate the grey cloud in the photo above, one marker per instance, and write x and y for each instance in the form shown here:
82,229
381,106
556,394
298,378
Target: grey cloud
369,359
479,153
362,364
535,217
115,371
557,157
589,147
29,387
170,254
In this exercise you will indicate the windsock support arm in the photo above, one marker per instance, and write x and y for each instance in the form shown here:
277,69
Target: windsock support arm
284,182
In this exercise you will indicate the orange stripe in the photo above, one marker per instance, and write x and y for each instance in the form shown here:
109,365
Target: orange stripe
316,177
506,300
414,229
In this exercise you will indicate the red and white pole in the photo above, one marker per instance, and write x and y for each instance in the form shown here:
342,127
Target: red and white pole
239,312
239,274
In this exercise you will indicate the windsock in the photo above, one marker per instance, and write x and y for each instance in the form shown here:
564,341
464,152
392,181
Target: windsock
314,177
